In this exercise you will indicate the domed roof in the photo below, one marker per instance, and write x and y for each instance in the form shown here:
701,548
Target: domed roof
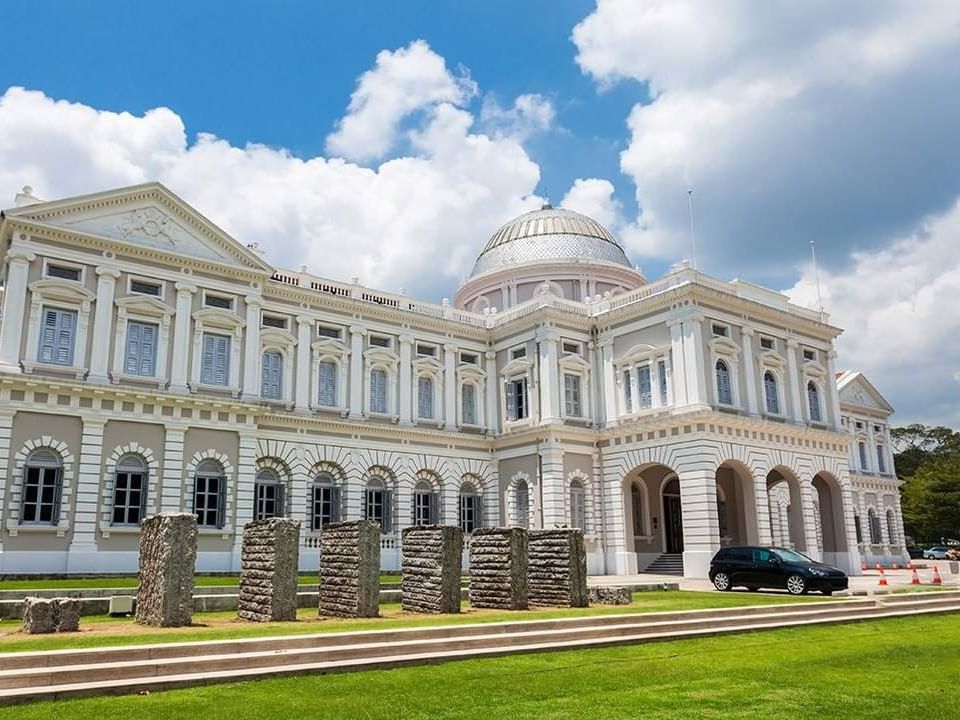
549,234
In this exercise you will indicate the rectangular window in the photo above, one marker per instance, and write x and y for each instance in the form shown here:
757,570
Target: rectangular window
720,330
41,495
378,391
859,529
662,371
379,341
209,499
468,402
767,343
469,358
377,507
517,353
329,332
327,396
469,512
426,350
627,392
129,497
571,393
578,508
140,357
269,499
274,322
144,287
57,336
424,397
271,375
215,360
218,301
571,348
644,393
324,506
809,354
881,459
863,455
64,272
426,508
517,399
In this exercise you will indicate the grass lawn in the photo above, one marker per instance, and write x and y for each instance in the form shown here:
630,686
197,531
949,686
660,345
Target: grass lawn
98,631
130,581
898,668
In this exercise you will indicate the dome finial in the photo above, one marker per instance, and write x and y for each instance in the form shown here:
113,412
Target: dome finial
546,204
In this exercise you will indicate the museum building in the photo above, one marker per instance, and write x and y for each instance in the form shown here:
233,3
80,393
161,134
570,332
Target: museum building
150,362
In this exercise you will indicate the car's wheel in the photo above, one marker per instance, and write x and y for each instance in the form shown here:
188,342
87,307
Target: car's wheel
721,581
796,585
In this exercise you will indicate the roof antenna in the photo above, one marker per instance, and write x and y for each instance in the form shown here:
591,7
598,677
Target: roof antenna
693,237
816,277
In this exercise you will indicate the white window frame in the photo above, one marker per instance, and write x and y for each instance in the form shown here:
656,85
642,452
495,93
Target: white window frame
770,361
150,281
284,375
576,365
329,350
144,309
59,294
205,293
386,360
284,342
518,370
217,322
47,262
472,374
812,371
426,366
722,347
156,354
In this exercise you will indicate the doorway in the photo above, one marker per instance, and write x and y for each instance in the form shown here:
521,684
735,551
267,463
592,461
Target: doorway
673,517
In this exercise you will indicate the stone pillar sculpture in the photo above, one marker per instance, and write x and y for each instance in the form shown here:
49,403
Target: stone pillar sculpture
432,562
557,568
168,554
498,568
268,570
350,569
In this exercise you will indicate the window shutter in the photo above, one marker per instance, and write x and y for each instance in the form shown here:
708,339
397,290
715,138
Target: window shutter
207,360
132,363
387,511
478,511
145,483
334,504
271,382
221,501
328,384
413,508
57,494
48,336
222,366
512,401
434,508
281,504
148,349
64,354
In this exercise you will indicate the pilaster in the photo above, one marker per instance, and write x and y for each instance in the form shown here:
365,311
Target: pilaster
749,370
181,337
102,325
832,392
14,307
406,380
302,396
808,513
701,526
678,363
246,478
251,355
549,384
172,487
609,383
450,386
83,548
793,378
492,411
553,492
356,371
6,431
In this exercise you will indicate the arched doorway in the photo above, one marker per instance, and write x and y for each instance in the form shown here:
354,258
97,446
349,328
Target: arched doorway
736,505
786,509
831,526
672,516
653,520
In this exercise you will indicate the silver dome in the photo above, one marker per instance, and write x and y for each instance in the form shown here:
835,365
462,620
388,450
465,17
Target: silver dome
549,234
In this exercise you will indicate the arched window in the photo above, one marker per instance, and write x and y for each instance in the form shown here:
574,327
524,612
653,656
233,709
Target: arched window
42,486
129,491
378,390
425,396
522,504
770,393
210,494
578,505
268,492
813,399
724,393
892,527
378,503
426,504
471,508
636,507
468,403
271,375
876,536
327,384
324,502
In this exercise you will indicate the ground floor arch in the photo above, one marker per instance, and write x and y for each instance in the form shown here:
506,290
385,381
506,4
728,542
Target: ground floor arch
737,519
785,501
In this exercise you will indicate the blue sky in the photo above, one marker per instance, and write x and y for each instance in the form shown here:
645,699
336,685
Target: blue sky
361,138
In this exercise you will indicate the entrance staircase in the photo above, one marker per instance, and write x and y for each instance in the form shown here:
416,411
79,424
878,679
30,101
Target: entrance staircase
666,564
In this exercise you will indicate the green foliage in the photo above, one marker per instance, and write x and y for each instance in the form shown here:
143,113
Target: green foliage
915,444
931,499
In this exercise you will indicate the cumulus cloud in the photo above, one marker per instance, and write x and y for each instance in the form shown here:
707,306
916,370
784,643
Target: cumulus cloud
340,218
899,308
529,114
400,83
594,197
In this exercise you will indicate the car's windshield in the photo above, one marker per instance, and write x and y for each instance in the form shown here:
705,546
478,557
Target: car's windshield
792,556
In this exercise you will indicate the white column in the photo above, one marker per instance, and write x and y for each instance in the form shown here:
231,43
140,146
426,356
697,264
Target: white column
871,449
181,337
251,355
548,381
14,307
102,325
552,487
83,548
749,370
492,411
677,363
761,501
655,383
832,393
793,378
6,431
701,526
609,383
172,484
693,360
808,510
244,500
853,550
406,380
450,386
302,397
356,371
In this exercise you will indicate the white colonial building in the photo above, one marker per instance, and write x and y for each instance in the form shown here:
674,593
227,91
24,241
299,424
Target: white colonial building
150,362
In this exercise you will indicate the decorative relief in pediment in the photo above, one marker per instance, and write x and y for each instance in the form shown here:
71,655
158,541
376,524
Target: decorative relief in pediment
859,395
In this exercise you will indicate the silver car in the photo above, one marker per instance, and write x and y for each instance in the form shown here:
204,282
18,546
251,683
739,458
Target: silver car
935,553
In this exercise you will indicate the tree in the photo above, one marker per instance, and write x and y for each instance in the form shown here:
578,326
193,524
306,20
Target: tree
915,444
931,498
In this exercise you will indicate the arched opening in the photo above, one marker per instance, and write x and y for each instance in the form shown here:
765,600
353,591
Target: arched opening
426,504
129,491
578,505
736,505
522,503
786,509
672,516
269,496
832,532
653,519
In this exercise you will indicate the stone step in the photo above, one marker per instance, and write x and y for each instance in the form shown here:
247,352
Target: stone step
180,672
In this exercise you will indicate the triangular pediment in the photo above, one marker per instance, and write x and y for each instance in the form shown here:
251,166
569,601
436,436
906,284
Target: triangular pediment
855,389
145,216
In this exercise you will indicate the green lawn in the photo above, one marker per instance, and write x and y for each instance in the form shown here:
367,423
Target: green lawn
130,581
98,631
900,668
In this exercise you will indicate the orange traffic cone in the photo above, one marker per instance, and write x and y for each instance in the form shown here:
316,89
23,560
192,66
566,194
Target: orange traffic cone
936,576
863,565
879,567
915,580
895,566
883,578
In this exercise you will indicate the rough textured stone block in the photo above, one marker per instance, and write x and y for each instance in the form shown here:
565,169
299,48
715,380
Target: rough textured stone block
350,569
268,570
39,615
68,614
498,569
557,567
432,562
610,595
168,554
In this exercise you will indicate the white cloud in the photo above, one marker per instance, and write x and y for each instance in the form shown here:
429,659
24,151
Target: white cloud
339,218
594,197
529,114
401,83
899,308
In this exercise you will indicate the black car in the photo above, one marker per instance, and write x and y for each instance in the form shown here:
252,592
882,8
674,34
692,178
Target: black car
773,567
915,552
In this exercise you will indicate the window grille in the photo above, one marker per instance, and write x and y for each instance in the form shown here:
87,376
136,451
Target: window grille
64,272
269,495
378,505
426,505
142,287
274,322
209,495
329,332
218,301
325,502
470,506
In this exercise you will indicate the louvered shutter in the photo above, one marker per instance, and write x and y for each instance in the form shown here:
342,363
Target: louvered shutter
387,511
148,349
434,518
378,391
478,511
144,484
271,376
469,402
328,384
281,504
424,397
131,365
48,336
65,328
334,504
207,360
222,364
512,401
221,501
57,494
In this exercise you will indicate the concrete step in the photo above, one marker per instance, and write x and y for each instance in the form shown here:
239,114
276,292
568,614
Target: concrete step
113,670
